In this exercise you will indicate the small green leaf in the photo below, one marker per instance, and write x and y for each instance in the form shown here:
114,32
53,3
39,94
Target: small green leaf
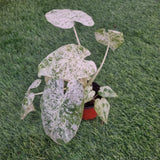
67,63
88,94
27,105
102,108
35,84
102,36
106,91
65,18
62,112
116,39
113,38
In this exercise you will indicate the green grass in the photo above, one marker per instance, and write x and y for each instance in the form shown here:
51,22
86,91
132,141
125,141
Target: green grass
133,72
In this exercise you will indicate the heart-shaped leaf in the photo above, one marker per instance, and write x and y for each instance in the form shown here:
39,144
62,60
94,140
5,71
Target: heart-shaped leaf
112,38
88,94
102,108
106,91
67,63
62,112
65,18
27,105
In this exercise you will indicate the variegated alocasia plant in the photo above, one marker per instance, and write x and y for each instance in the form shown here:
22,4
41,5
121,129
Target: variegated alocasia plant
68,77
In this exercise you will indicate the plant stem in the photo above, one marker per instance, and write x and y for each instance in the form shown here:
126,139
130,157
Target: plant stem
75,32
38,93
95,75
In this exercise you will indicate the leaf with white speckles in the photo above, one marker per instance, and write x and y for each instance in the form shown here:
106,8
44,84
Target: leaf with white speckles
106,91
102,108
113,38
82,17
65,18
88,94
67,63
27,105
62,112
35,84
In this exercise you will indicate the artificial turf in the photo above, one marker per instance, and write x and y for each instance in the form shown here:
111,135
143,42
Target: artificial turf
132,71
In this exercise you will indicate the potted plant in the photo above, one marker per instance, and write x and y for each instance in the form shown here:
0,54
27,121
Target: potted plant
69,79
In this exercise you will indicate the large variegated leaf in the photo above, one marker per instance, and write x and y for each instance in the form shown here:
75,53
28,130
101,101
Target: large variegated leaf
102,108
27,105
35,84
106,91
65,18
62,112
113,38
67,62
88,94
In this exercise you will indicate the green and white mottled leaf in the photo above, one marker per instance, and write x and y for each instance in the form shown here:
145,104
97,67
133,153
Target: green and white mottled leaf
65,18
35,84
116,39
62,112
106,91
113,38
67,63
88,94
102,36
102,108
27,105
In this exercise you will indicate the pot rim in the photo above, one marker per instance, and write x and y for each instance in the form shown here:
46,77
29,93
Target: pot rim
88,107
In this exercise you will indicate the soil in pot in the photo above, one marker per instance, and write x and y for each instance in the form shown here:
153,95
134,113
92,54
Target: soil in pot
89,111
